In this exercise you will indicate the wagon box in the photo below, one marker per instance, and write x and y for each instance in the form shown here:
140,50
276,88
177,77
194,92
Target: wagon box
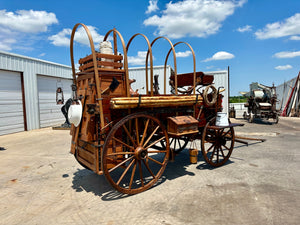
182,125
122,135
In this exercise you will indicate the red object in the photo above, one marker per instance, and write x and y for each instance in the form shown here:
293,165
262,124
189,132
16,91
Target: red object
289,100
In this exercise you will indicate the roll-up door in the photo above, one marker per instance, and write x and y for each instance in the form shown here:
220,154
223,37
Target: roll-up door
50,112
11,103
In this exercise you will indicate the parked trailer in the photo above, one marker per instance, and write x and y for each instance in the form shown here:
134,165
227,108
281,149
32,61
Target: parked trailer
129,137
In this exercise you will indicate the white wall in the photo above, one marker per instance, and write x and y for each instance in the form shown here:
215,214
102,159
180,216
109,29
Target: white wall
30,67
139,74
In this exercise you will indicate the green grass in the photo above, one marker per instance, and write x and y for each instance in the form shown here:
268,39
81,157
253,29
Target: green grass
237,99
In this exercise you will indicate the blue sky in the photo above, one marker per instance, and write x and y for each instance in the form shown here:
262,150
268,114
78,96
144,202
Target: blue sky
258,39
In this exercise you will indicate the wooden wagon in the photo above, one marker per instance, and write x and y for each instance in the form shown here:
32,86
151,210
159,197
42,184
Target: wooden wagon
130,137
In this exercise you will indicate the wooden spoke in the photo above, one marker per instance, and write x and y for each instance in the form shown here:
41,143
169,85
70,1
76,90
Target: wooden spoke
226,147
155,142
175,143
148,168
128,134
150,136
213,153
225,133
179,143
125,171
209,140
141,173
132,174
145,130
154,160
182,143
211,132
210,148
120,153
120,164
156,151
137,131
222,152
172,140
121,142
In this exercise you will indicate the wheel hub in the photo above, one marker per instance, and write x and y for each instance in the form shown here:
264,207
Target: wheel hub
220,141
141,153
223,141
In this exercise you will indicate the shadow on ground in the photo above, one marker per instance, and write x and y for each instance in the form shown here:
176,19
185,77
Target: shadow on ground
88,181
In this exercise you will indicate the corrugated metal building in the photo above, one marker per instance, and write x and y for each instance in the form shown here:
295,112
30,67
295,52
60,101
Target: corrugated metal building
283,92
139,74
220,80
28,92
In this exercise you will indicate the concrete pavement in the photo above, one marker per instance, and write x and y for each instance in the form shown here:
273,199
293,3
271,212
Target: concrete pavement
41,183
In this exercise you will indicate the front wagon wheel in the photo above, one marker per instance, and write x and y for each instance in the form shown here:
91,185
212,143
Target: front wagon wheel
129,162
217,143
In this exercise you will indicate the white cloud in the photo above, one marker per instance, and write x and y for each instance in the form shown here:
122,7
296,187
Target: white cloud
138,60
183,54
290,26
244,29
5,44
18,29
220,56
286,67
195,18
286,54
152,7
63,37
295,38
28,21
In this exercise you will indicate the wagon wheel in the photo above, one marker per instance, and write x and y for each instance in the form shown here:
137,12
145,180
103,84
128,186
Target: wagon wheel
217,144
129,162
177,143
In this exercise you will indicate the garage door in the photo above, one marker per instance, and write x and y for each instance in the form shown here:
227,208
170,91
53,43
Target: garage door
11,103
50,112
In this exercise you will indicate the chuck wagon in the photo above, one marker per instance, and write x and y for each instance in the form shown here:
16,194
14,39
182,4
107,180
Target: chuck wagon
130,137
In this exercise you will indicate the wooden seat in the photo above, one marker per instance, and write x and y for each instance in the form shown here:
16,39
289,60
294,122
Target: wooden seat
187,79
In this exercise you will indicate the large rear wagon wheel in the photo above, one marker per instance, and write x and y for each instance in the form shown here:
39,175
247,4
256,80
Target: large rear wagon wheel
217,143
129,162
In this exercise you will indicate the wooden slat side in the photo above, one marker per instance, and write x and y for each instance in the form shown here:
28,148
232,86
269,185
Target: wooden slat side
101,55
